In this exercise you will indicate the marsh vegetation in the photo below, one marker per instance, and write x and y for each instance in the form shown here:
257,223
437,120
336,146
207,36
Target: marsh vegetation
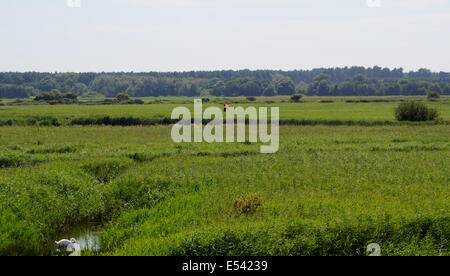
332,189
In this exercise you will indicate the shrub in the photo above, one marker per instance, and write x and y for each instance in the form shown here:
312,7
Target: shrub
414,111
433,95
248,204
55,97
122,97
251,99
138,101
296,98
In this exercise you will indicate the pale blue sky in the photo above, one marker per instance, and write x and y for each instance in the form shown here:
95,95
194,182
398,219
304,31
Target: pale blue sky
179,35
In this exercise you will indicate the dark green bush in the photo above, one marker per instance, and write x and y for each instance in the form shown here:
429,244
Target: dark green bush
296,98
433,95
55,97
414,111
138,101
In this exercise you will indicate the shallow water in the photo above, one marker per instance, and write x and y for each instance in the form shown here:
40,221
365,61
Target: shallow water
87,236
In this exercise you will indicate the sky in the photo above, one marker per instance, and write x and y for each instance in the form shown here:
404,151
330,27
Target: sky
184,35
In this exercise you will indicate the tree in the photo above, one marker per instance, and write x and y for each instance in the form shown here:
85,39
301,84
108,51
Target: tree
285,86
80,89
349,81
70,96
122,97
269,91
15,91
321,86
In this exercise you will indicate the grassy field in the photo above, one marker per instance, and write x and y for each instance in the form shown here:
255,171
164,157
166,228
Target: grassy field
310,111
330,190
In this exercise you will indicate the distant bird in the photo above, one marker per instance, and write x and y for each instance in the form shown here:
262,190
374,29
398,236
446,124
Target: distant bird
69,245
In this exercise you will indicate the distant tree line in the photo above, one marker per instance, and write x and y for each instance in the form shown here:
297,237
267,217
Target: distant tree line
348,81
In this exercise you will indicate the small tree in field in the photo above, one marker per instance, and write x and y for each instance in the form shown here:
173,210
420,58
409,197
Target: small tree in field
414,111
122,97
432,95
296,98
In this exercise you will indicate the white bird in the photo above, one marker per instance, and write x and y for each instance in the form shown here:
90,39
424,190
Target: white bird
69,245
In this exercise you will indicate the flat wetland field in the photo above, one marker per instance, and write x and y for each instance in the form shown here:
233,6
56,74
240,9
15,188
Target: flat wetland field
329,190
312,108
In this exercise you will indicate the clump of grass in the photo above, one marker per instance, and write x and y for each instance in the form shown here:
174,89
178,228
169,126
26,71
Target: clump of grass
10,161
398,140
15,147
53,149
146,157
141,157
237,154
133,191
106,169
17,161
248,204
202,154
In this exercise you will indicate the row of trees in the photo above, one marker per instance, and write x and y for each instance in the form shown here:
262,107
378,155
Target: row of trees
360,85
354,81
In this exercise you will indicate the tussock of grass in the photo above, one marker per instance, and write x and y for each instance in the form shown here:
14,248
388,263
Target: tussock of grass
106,169
146,157
52,149
16,161
239,153
248,204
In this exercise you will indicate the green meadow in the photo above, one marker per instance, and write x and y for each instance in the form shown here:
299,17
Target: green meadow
321,110
331,189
